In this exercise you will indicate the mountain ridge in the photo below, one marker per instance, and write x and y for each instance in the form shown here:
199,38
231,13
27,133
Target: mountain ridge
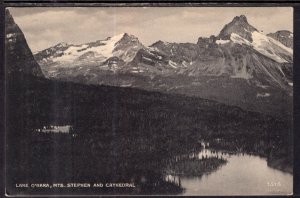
238,31
259,64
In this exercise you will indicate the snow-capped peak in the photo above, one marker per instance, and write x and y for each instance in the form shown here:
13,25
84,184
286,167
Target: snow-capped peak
115,38
106,50
238,39
102,48
123,46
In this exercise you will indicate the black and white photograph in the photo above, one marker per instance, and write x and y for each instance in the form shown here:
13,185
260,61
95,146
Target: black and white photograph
145,100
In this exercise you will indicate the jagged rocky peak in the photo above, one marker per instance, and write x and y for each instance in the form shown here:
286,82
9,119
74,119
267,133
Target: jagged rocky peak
120,39
207,42
127,36
159,43
283,36
19,57
162,46
239,25
128,39
127,46
240,19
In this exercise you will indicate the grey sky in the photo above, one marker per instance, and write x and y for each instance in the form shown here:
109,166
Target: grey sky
45,27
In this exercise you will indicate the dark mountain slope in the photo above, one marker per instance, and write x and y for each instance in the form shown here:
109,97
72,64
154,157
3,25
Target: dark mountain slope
18,55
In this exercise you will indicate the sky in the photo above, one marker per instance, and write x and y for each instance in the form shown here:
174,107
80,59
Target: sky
44,27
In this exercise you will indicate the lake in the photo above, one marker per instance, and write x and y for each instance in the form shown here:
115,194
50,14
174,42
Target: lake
243,174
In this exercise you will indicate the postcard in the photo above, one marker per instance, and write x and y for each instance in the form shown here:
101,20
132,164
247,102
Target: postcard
149,100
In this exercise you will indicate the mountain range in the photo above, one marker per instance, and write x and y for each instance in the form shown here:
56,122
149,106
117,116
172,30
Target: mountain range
240,66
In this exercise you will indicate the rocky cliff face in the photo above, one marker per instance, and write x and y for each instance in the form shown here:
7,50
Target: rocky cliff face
18,55
239,25
283,36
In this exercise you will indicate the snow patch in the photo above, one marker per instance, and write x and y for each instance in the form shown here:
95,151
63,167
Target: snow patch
262,86
172,64
222,41
110,45
126,85
104,50
10,35
263,44
246,30
263,95
291,84
143,57
184,64
166,43
238,39
153,49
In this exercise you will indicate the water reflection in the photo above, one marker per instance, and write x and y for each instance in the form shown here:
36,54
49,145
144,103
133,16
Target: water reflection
208,153
243,174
